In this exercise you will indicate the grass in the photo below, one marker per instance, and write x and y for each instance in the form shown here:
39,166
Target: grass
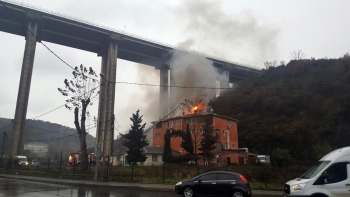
173,173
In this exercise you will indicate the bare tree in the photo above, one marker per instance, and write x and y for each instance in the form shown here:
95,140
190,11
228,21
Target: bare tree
270,64
81,92
297,55
196,133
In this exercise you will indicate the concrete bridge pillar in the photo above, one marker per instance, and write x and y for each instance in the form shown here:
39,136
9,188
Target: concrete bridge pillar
224,81
163,93
105,126
24,84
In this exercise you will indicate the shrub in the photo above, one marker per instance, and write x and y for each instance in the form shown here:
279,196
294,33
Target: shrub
280,157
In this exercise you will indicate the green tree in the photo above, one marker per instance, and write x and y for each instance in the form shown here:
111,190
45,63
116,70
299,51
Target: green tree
321,149
187,143
208,141
280,157
167,146
81,92
135,140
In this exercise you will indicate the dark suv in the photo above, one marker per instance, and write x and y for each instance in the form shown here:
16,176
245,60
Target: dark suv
215,183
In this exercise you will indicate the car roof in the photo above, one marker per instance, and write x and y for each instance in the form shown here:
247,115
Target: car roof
222,172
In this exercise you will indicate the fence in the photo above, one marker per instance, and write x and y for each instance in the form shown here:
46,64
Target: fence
259,176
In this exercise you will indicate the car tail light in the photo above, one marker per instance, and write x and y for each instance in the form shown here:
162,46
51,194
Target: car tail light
243,179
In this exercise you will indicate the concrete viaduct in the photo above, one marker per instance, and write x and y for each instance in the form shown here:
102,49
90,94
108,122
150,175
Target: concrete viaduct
107,43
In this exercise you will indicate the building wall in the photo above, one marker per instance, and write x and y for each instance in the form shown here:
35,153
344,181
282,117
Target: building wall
228,132
40,149
225,129
121,160
150,160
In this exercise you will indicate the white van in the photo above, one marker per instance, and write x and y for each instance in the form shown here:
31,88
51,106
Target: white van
263,159
20,161
329,177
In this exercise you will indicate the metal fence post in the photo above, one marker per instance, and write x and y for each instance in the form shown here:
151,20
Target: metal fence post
197,169
163,171
265,177
132,170
48,165
74,167
61,162
37,165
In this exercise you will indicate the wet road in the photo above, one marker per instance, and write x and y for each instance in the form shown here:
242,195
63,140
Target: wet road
11,187
14,187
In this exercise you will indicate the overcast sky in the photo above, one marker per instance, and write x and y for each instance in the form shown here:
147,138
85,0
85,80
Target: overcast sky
250,32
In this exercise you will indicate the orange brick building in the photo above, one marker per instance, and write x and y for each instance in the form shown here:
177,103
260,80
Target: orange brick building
225,130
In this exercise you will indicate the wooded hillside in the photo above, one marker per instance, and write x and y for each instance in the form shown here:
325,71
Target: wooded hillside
303,106
58,137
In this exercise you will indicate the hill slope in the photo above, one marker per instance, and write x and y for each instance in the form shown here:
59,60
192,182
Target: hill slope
58,137
295,107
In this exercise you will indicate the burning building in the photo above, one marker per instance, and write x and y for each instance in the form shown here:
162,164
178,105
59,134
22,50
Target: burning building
195,115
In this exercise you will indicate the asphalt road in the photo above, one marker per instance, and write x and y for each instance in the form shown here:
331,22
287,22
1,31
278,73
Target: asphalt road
12,187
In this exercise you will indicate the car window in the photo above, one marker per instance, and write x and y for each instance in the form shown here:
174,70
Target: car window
337,172
208,177
226,177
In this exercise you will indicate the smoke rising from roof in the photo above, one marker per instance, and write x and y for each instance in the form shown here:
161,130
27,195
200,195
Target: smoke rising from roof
191,70
239,36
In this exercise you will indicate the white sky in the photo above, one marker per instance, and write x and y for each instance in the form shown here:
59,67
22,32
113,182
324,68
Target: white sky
250,32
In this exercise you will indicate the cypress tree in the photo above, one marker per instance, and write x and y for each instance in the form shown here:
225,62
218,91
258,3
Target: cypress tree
135,140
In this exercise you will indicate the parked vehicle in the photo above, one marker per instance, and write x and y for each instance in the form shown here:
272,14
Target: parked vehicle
215,183
329,177
20,161
35,162
74,159
263,159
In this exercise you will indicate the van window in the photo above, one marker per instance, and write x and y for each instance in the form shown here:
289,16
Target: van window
314,170
337,172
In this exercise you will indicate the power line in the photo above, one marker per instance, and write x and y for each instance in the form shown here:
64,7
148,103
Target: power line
140,84
48,111
62,136
72,134
6,126
51,131
18,20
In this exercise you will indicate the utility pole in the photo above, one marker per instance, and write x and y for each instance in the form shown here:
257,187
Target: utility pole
99,144
2,146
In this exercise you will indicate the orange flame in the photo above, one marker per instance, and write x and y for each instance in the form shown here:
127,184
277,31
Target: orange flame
193,107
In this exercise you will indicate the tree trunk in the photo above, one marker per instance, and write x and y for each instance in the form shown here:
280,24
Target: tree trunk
84,164
82,139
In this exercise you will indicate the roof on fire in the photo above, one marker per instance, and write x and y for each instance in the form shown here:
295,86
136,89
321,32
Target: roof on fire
196,115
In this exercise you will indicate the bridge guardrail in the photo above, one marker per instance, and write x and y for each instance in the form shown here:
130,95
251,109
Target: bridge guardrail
123,32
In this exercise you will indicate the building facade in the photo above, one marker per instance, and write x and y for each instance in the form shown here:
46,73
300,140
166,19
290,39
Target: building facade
154,156
40,149
225,128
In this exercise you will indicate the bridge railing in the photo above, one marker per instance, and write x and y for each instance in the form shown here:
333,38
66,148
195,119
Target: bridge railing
20,3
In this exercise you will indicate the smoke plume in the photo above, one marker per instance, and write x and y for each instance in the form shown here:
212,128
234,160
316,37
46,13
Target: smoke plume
238,36
191,70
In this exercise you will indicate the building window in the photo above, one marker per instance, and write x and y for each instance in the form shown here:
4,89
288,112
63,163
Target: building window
157,135
159,125
225,133
191,131
154,158
167,124
191,121
217,132
228,124
171,123
177,122
202,131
